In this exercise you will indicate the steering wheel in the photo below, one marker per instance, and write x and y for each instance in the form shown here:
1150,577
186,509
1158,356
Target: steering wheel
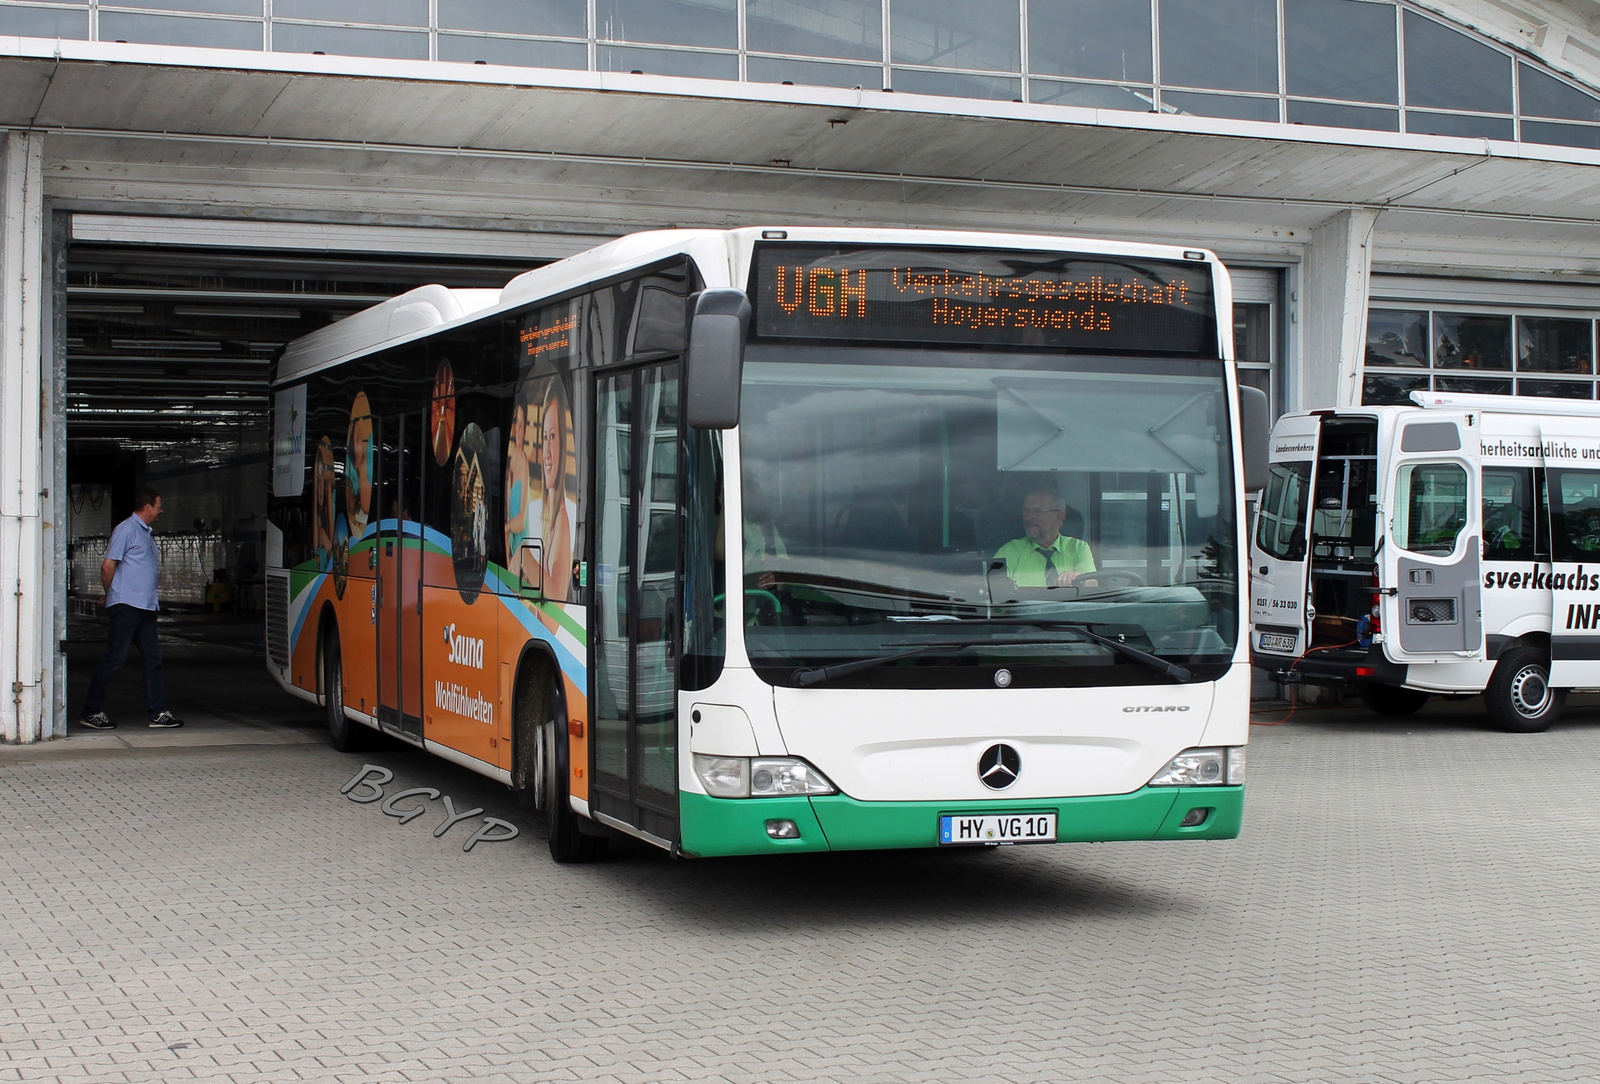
1109,577
761,607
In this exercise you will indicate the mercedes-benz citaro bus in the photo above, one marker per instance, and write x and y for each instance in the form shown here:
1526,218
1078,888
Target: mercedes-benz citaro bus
773,540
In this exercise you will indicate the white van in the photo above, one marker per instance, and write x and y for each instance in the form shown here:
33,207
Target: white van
1449,547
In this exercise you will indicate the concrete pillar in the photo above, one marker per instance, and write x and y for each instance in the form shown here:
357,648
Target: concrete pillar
26,596
1337,281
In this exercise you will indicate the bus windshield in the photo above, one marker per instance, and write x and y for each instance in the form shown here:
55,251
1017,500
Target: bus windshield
896,499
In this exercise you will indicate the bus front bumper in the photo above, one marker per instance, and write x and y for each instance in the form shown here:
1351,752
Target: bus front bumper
717,827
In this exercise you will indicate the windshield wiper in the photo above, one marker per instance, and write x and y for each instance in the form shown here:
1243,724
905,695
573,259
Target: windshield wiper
1085,630
816,675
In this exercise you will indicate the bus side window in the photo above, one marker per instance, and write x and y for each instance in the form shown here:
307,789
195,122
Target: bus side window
704,588
1432,510
1509,533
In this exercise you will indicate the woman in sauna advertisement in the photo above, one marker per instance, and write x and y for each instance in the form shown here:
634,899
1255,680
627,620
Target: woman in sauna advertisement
542,463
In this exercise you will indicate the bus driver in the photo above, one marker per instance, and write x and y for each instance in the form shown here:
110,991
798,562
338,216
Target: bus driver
1045,557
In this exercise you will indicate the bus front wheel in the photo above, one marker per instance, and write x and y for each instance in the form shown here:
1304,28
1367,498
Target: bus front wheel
1392,699
344,734
1519,696
541,772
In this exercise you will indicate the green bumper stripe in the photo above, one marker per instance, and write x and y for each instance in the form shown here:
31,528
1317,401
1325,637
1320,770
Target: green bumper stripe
714,827
723,826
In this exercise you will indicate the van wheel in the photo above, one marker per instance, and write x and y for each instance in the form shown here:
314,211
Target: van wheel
1392,699
344,733
1519,696
540,775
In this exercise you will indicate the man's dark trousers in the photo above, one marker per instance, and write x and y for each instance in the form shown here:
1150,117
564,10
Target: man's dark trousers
129,625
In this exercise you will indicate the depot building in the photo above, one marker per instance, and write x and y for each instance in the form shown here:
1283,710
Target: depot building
1406,193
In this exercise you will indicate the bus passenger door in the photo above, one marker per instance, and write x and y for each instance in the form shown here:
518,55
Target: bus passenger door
1280,554
1432,555
1573,495
634,617
399,546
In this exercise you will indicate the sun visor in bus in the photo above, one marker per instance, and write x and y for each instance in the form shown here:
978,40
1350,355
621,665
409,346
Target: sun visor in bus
1430,437
1136,424
715,362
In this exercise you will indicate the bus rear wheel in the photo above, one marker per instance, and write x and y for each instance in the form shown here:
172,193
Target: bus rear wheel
1519,696
1392,699
344,734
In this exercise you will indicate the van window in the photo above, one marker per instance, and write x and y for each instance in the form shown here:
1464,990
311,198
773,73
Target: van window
1510,531
1574,514
1432,510
1281,525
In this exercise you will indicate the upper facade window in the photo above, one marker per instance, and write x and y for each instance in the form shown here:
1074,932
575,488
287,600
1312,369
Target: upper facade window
1380,65
1482,352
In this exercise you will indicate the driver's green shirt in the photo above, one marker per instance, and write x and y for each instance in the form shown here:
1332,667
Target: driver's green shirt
1025,564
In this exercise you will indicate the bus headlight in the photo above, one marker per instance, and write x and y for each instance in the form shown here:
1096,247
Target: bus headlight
759,777
1202,768
723,777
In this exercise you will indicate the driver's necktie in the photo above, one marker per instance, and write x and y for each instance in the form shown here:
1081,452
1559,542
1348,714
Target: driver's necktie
1049,556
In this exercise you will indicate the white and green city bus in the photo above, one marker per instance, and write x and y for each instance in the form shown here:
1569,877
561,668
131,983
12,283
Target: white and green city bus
717,539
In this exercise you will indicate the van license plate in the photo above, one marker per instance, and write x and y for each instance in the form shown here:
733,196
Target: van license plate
956,829
1279,642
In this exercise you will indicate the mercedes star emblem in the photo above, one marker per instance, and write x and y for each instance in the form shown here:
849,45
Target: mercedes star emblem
999,766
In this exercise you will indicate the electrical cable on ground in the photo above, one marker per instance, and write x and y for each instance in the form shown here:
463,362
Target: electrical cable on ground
1293,702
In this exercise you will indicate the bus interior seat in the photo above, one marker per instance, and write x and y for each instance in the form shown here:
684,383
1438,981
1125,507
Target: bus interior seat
1072,522
872,521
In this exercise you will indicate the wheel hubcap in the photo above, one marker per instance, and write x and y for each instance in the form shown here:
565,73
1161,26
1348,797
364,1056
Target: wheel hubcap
541,782
1530,692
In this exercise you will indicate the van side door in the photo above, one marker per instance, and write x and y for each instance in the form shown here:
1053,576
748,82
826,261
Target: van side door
1572,484
1432,556
1280,549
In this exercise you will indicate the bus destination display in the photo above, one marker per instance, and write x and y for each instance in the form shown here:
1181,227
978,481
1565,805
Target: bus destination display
1084,304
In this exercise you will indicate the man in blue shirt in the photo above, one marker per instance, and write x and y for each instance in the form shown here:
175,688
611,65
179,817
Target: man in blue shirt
129,575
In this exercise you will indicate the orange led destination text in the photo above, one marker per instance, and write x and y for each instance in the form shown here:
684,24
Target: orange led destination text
972,300
542,340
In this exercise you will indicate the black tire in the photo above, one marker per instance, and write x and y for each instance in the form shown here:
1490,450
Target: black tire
540,770
1392,699
1519,696
344,733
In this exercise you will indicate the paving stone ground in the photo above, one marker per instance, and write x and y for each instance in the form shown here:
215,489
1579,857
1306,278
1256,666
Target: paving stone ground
1409,902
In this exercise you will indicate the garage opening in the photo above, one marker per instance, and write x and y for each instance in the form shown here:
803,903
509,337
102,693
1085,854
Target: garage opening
168,354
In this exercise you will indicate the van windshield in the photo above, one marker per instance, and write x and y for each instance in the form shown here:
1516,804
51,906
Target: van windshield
890,493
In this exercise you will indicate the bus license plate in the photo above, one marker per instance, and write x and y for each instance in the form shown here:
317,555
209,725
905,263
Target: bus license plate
956,829
1277,641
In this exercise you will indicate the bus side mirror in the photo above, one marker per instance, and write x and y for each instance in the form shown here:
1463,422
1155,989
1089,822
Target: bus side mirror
1254,429
715,364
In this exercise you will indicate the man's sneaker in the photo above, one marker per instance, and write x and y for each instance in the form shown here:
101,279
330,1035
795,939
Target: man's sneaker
167,720
99,721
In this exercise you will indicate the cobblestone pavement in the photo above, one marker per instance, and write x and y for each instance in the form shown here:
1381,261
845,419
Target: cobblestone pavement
1411,902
